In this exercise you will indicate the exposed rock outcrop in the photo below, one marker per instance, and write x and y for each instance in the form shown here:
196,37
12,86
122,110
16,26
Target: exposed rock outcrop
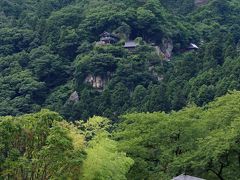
167,48
96,82
74,97
155,74
200,2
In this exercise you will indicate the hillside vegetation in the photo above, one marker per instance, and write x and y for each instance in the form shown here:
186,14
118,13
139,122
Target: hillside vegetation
47,50
119,89
200,141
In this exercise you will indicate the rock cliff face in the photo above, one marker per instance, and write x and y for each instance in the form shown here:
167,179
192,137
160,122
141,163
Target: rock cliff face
74,97
167,48
155,74
96,82
200,2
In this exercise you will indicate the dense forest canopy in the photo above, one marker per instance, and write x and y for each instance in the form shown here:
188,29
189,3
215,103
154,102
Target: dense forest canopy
200,141
135,89
48,51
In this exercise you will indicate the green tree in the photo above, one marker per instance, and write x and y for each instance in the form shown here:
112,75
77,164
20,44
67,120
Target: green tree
39,146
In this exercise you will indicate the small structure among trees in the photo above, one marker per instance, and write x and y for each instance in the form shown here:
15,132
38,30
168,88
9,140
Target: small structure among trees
193,47
108,38
130,45
186,177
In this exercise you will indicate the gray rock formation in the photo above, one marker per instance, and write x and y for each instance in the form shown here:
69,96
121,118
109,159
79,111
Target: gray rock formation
155,74
96,82
167,48
74,97
200,2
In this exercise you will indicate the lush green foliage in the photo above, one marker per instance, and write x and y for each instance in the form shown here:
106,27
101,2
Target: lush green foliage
47,50
44,146
51,57
199,141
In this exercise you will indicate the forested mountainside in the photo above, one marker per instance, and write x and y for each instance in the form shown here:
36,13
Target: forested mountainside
119,89
51,55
